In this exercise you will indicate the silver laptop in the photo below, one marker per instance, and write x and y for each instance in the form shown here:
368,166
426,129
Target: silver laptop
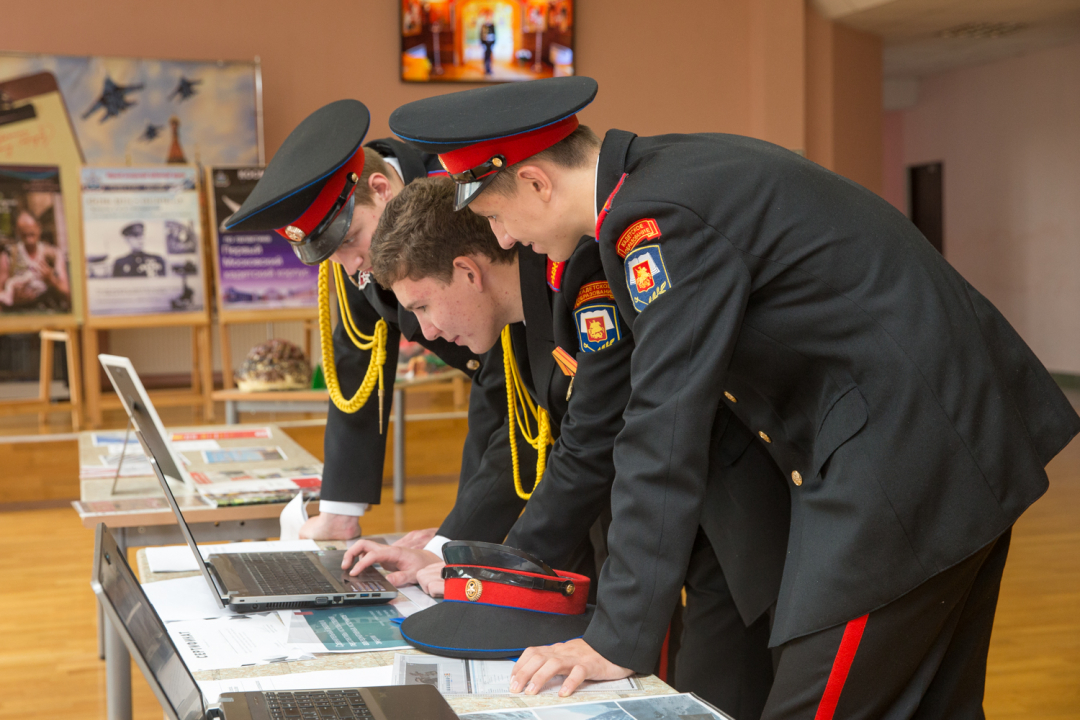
249,582
146,637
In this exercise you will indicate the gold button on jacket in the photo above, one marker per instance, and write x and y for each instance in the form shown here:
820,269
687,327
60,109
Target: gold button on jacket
730,397
796,477
472,364
764,437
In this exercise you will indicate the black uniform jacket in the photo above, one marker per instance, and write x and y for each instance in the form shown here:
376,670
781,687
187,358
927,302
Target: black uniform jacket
354,449
911,421
748,531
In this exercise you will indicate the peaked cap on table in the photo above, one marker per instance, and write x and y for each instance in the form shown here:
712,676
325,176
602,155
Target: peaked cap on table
477,133
306,192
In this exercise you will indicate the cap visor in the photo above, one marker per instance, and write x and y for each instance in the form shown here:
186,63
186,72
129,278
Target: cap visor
315,250
475,630
467,192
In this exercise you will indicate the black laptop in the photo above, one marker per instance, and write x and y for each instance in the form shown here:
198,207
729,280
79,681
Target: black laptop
146,637
246,582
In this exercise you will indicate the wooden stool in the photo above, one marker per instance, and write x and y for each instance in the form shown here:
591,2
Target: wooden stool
71,339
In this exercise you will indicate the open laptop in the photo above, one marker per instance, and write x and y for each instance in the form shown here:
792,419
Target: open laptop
250,582
146,637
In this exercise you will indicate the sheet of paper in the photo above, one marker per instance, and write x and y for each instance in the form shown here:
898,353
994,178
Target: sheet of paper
247,434
195,445
318,680
186,598
178,558
111,439
232,642
650,707
412,599
293,516
455,676
356,628
242,455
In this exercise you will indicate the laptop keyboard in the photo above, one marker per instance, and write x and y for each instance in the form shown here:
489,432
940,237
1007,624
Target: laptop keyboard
285,573
317,704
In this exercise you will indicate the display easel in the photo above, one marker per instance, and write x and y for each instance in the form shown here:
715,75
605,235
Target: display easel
202,370
35,129
228,317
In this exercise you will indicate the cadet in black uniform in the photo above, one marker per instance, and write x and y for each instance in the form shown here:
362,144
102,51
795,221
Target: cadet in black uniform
307,195
913,422
137,263
575,351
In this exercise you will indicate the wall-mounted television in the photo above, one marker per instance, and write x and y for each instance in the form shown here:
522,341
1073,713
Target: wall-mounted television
486,40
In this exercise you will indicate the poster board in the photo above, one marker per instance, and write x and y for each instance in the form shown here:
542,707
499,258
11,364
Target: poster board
143,245
258,277
145,111
35,130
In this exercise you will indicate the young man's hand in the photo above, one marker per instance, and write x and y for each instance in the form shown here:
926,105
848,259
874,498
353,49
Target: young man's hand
328,526
417,539
574,659
430,579
403,562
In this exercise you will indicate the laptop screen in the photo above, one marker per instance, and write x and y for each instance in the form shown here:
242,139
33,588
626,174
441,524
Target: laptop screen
137,404
144,632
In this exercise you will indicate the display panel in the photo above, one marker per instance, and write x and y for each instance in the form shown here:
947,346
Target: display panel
486,40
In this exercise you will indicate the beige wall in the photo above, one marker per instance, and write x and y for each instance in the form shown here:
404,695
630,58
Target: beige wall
741,66
1008,134
843,107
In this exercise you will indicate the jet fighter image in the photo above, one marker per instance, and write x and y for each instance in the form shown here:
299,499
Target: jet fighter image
185,89
151,132
113,99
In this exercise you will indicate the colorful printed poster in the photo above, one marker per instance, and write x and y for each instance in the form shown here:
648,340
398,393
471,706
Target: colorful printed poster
137,111
142,240
34,268
256,270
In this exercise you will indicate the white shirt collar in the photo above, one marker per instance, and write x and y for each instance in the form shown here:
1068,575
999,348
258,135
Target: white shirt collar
595,190
396,164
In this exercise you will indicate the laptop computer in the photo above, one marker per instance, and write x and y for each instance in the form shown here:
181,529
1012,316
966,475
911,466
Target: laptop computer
248,582
146,637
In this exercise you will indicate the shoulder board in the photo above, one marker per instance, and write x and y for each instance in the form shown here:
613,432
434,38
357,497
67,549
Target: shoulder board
565,361
635,234
593,291
554,274
607,206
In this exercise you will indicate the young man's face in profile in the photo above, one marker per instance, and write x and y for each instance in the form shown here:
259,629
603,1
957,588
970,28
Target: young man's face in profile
459,311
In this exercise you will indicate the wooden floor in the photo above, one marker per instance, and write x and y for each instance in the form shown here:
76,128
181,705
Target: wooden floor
48,655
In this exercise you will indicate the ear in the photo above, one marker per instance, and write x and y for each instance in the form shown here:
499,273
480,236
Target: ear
538,180
381,187
466,268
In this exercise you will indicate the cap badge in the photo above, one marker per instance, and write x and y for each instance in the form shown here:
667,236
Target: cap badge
473,589
294,234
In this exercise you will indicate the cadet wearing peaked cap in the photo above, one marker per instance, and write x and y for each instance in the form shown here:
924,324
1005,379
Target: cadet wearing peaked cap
323,191
913,422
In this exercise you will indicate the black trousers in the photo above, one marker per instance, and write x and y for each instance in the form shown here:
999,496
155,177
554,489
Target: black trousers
721,659
922,656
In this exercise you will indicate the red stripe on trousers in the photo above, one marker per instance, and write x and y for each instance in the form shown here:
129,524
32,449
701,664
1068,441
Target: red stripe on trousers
841,665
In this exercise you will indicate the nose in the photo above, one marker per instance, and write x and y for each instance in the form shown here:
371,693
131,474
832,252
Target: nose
429,330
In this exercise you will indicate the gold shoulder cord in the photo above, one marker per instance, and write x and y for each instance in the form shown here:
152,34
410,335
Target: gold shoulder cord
520,406
376,343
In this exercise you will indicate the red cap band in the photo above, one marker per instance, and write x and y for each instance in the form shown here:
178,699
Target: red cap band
490,592
317,210
514,148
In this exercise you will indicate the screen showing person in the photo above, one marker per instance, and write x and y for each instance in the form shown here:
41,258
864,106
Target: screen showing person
491,41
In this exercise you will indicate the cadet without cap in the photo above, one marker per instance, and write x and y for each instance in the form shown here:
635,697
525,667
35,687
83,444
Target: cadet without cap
498,601
307,191
477,133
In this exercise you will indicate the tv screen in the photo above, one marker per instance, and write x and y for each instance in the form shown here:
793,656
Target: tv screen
486,40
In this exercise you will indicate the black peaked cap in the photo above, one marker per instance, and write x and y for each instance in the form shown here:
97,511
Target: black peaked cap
301,167
444,123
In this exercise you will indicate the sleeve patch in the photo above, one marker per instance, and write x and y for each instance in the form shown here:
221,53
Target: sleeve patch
646,276
598,290
597,325
640,231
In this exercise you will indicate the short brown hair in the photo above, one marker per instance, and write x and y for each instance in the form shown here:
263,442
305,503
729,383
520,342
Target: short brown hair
573,151
373,163
420,235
